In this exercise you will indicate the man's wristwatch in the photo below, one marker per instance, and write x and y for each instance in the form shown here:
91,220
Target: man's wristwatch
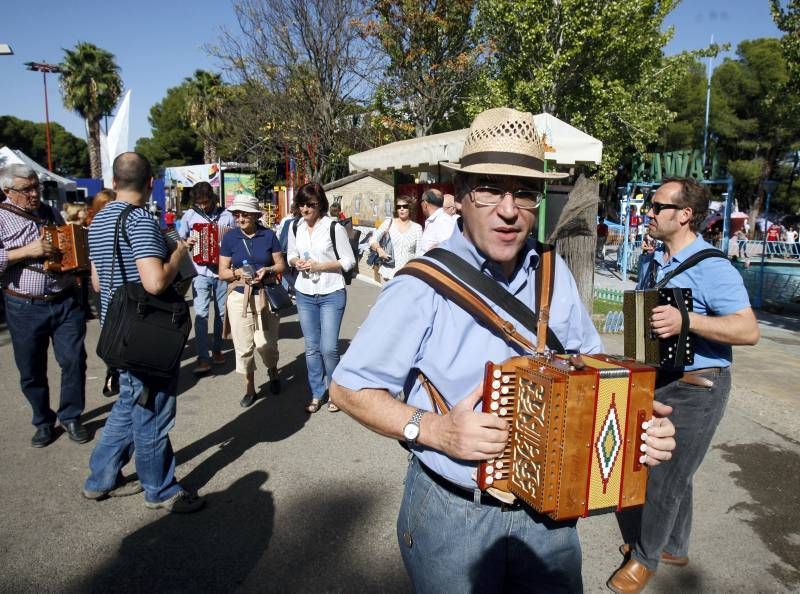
411,430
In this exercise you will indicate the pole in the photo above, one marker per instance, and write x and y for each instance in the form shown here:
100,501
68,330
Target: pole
47,124
726,221
759,300
708,107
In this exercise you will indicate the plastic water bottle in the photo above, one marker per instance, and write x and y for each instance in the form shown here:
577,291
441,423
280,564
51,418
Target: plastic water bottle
314,276
248,271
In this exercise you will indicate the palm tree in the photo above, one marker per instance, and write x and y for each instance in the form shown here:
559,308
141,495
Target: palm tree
91,86
206,97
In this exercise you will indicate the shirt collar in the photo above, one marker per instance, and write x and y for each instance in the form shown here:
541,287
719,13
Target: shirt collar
527,261
698,244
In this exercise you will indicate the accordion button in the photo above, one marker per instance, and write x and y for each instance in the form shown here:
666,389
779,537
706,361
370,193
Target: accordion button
407,539
495,395
497,373
489,480
495,385
494,406
504,390
489,469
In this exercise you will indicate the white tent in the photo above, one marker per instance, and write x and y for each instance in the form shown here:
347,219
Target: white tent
571,146
11,157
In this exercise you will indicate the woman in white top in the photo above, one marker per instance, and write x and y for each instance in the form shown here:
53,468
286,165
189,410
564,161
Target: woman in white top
406,236
319,287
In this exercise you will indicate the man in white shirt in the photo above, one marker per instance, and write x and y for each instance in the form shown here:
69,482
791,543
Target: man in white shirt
438,224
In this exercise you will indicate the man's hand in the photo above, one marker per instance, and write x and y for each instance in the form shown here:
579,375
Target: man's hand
665,320
41,248
659,436
190,241
468,435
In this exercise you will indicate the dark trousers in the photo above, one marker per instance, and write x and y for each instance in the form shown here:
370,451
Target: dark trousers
664,523
32,324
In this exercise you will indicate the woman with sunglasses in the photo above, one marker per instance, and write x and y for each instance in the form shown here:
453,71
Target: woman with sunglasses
320,287
406,236
249,256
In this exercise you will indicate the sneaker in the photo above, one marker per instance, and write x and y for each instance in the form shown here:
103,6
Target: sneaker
218,358
123,490
202,368
248,400
182,502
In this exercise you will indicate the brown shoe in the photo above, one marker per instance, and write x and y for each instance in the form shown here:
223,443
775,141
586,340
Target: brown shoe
218,358
666,557
202,367
631,578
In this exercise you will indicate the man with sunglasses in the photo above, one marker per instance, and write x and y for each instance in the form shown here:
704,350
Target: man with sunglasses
698,393
453,537
438,224
40,306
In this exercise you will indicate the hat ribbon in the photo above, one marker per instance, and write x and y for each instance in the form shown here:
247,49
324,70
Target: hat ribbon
502,158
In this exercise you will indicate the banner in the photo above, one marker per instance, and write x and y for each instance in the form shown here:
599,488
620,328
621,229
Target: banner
191,175
237,183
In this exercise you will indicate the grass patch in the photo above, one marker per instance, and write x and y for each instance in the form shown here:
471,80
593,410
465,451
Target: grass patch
603,307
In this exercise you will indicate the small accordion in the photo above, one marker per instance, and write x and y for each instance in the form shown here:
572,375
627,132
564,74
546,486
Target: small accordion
208,238
72,241
640,342
574,436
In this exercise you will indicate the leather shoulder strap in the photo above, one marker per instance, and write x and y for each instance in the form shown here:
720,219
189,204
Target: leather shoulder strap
545,280
22,213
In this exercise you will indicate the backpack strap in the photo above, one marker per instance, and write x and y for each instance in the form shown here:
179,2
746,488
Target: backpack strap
333,239
688,263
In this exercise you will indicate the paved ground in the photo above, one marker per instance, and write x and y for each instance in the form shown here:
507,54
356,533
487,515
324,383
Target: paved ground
301,504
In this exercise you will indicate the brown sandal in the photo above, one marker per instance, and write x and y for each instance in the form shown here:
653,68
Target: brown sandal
314,406
332,407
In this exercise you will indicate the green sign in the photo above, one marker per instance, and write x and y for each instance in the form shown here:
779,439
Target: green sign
654,167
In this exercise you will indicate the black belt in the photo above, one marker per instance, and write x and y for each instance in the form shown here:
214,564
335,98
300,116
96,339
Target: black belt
52,297
467,494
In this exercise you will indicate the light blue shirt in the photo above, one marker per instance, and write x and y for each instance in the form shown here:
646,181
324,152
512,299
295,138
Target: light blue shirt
222,217
411,327
717,290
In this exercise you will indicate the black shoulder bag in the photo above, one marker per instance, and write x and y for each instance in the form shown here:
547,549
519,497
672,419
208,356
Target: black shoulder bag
142,332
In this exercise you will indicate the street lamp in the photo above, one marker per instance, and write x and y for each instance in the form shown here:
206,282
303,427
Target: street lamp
769,188
45,69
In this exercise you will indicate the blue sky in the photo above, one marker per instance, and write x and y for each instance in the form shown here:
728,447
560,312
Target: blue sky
157,44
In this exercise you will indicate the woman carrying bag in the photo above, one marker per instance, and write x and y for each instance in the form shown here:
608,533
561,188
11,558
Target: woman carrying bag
405,235
249,257
319,287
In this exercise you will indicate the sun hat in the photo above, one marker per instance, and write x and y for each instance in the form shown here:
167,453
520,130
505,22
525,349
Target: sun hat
504,141
244,203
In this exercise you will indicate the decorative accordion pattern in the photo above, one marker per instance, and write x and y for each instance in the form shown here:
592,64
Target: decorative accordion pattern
575,434
208,238
640,342
72,241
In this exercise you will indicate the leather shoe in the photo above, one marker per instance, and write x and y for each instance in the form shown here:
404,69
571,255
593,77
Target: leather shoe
248,400
76,431
666,558
631,578
43,437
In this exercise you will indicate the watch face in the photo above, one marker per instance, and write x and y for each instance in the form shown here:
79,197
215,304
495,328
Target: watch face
411,431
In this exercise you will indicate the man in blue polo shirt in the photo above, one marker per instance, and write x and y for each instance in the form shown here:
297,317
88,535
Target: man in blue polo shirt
207,288
452,537
698,394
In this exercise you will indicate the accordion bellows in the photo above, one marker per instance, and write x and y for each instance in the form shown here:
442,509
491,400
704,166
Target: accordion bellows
640,342
574,442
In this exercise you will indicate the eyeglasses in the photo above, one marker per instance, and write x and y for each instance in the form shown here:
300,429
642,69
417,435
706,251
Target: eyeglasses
310,205
492,196
31,189
659,206
399,206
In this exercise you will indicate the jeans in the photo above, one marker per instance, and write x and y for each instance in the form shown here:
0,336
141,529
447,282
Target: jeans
133,430
320,320
664,523
450,544
208,290
32,324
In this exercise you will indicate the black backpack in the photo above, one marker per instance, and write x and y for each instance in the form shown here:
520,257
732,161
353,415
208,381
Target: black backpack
353,238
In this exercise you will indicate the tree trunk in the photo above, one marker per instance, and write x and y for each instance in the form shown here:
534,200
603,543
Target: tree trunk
93,137
577,236
209,151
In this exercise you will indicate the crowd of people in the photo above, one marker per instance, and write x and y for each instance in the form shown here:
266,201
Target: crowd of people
487,224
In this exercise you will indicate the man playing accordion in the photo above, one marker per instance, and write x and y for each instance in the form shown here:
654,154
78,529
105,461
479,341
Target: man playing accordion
453,537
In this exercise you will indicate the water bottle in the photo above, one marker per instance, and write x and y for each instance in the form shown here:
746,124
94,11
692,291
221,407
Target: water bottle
248,271
314,276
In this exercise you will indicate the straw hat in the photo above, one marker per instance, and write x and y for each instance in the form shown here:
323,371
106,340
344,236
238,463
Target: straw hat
504,141
244,203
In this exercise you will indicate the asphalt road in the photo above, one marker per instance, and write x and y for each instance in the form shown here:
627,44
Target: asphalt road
305,503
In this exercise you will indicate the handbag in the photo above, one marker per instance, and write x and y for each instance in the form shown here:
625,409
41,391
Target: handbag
143,333
277,297
386,244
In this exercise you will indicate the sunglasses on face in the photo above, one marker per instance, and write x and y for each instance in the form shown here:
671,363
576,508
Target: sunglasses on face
399,206
657,207
310,205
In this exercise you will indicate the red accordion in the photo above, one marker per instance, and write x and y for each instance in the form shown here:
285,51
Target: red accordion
575,433
208,237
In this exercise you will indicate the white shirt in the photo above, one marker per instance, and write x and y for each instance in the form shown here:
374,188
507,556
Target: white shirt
317,244
405,245
438,228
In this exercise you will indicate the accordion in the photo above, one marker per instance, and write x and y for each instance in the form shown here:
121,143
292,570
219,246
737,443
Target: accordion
208,237
640,342
575,433
72,241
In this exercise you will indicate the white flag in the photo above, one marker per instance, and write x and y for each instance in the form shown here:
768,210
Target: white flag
117,140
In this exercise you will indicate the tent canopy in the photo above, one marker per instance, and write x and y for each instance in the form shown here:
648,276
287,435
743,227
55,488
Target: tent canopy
571,146
15,157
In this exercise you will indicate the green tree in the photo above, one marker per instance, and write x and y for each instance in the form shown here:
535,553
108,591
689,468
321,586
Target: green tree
206,98
69,152
91,86
597,64
788,20
173,141
430,57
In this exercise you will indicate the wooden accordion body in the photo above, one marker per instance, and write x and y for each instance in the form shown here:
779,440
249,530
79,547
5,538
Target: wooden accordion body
575,434
72,241
208,237
640,342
